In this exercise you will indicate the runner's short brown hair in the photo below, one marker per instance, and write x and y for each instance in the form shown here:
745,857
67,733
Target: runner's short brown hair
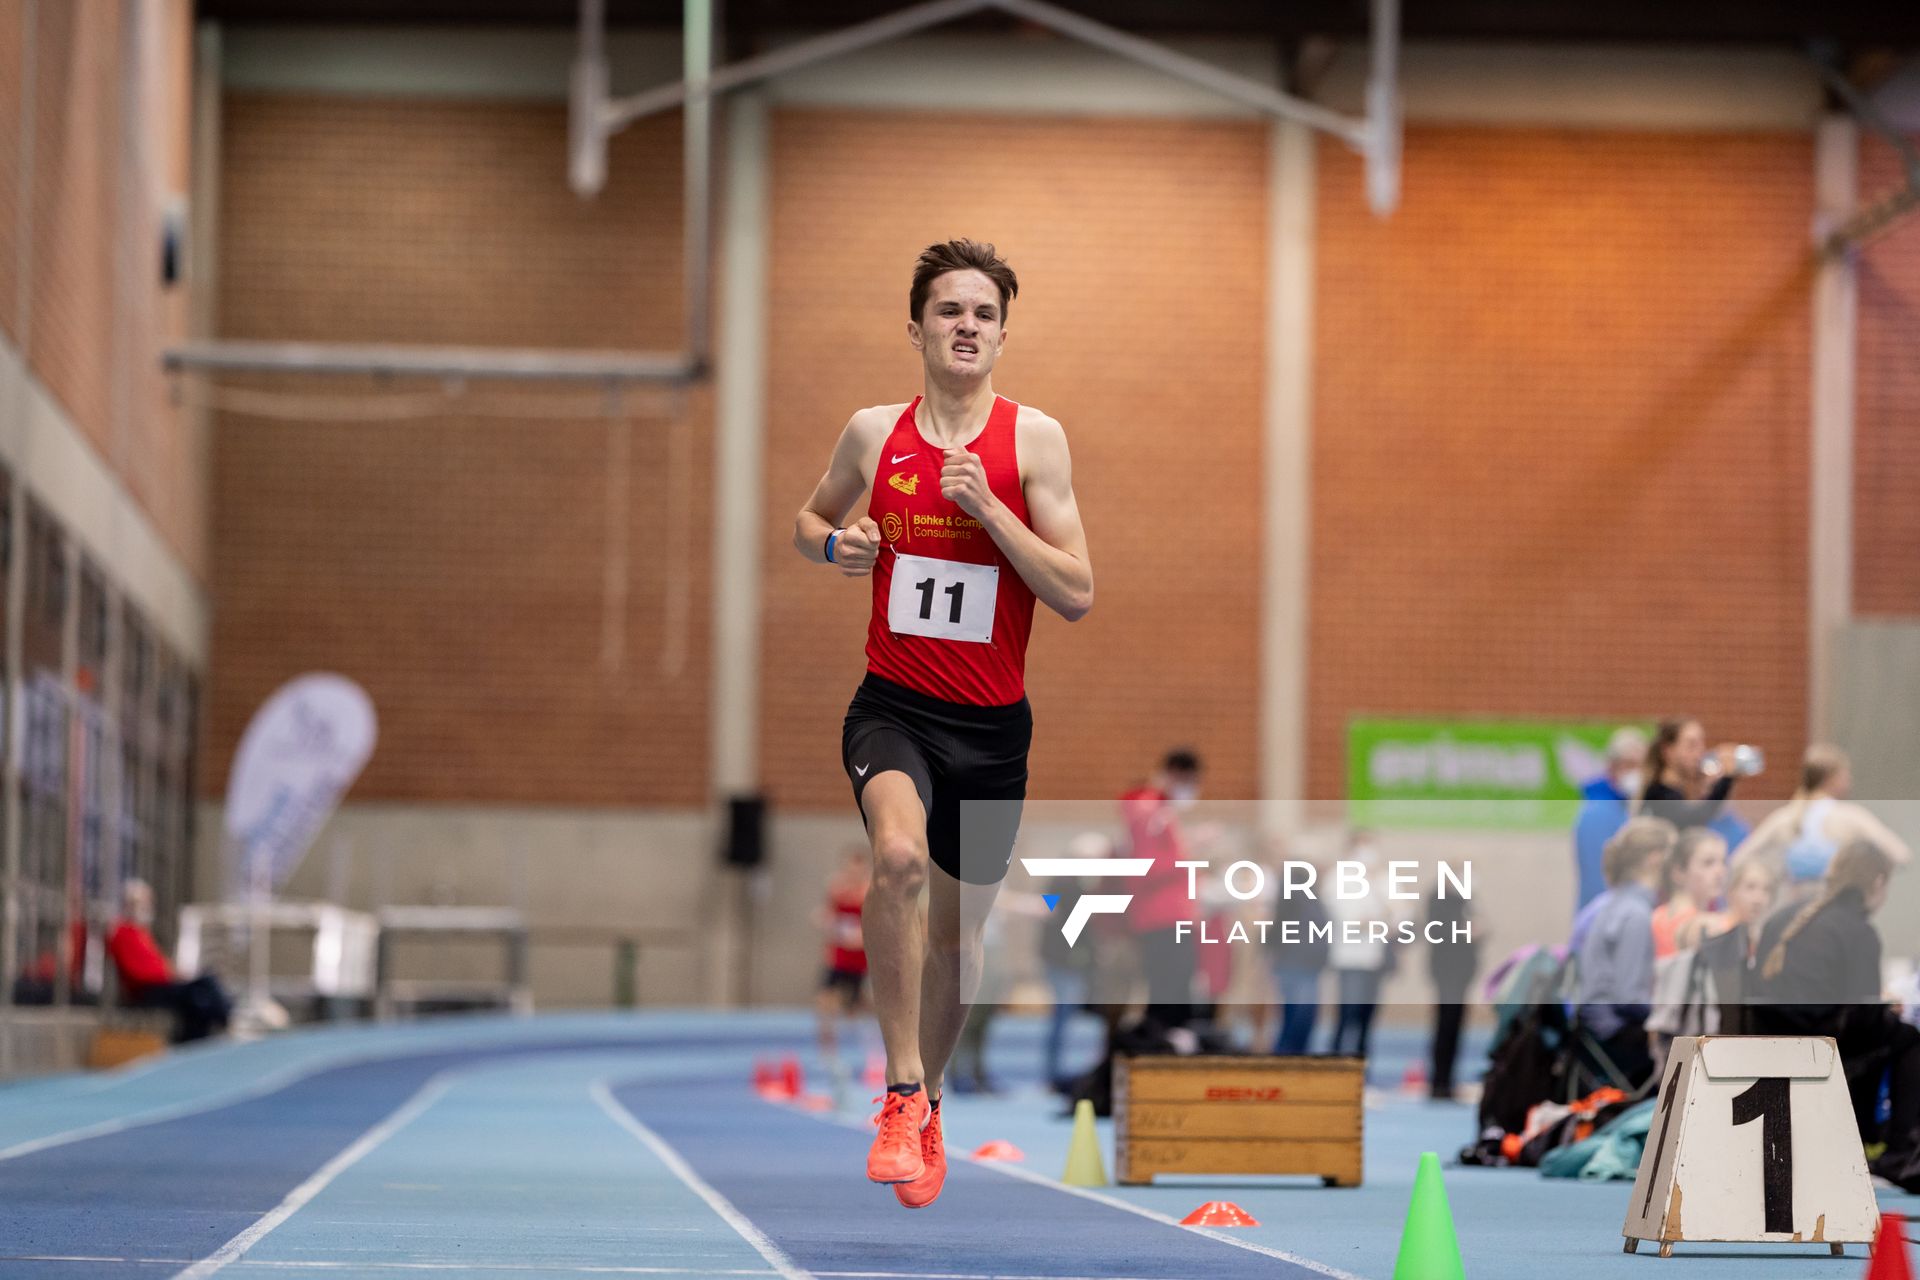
937,260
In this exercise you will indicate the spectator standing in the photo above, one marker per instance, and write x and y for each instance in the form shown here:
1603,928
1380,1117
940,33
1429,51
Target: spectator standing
1160,899
1725,968
1615,967
1677,787
1820,976
1069,969
1798,840
1605,805
1358,956
1298,964
1696,876
1451,963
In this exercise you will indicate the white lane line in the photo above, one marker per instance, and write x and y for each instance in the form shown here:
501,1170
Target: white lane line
1112,1202
173,1111
773,1253
1115,1202
530,1268
273,1082
584,1269
231,1251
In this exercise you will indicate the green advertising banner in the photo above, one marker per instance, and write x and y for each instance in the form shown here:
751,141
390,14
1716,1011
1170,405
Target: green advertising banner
1519,774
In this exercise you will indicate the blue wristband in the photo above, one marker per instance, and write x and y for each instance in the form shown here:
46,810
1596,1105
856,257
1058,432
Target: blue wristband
830,539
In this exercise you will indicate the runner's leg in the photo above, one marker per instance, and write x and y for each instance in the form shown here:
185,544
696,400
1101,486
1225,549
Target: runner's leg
956,923
891,922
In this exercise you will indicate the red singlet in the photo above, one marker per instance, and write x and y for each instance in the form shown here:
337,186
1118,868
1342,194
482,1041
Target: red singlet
846,946
956,627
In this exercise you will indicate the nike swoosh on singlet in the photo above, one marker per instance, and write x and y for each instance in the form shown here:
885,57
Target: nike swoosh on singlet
894,462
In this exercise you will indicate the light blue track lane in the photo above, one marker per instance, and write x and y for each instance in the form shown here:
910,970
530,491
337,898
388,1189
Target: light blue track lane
178,1189
516,1171
804,1184
516,1167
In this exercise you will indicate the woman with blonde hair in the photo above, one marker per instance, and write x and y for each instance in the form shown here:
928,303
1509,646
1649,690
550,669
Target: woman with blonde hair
1724,967
1820,976
1800,838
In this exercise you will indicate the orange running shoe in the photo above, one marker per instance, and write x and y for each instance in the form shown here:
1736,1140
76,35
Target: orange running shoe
918,1193
895,1156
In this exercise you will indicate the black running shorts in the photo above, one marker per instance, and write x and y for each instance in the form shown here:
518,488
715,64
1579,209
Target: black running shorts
953,752
846,982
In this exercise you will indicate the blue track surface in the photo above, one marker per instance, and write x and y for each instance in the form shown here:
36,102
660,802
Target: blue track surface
599,1146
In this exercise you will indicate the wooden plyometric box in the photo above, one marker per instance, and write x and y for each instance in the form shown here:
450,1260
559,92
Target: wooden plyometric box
1238,1115
115,1046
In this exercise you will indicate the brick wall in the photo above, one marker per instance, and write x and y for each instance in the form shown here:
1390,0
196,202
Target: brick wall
1886,526
1560,418
74,193
1140,247
457,565
109,139
12,48
1559,456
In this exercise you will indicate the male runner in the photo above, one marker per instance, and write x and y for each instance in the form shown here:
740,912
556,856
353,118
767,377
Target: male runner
971,518
843,985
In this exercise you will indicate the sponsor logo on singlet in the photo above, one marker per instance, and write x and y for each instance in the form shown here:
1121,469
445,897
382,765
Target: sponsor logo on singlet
892,527
905,483
962,527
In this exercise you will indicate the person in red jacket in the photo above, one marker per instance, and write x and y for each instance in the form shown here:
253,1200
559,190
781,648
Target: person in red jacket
200,1006
1160,898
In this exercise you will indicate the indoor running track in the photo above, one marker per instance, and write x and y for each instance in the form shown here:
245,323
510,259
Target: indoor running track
631,1145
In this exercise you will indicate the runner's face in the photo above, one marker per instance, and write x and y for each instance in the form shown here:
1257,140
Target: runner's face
960,332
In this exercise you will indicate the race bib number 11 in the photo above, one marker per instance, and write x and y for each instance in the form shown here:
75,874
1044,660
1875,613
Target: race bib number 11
944,599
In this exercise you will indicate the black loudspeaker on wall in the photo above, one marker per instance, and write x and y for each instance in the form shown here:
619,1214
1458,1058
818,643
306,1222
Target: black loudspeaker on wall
745,844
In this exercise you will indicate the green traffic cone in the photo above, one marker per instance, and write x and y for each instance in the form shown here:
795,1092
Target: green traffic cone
1084,1167
1428,1249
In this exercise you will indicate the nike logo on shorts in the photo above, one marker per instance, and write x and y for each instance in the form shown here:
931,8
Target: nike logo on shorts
899,458
861,769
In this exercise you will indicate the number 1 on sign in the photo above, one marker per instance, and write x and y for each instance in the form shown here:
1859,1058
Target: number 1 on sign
1767,1100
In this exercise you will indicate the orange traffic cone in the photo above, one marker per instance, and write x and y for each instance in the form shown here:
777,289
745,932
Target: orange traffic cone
1888,1259
1219,1213
999,1149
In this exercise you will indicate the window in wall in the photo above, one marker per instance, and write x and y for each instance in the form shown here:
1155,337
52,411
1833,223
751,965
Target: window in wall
10,887
45,895
172,824
94,767
139,750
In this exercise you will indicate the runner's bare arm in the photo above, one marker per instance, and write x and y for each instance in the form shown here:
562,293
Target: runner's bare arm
1051,556
834,497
